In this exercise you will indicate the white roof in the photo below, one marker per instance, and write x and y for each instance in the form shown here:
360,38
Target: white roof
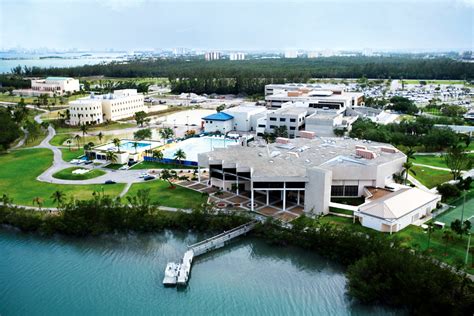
398,203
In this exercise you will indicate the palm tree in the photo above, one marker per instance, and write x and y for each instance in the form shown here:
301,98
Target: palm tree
100,136
39,201
69,144
58,197
269,138
398,177
410,154
84,129
111,156
168,175
77,138
407,167
157,154
180,154
135,146
116,142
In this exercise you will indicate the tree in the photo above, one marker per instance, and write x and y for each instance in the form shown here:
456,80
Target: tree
58,197
407,167
9,130
398,177
140,117
135,146
269,138
457,160
69,144
84,128
88,146
117,142
111,156
179,155
168,175
280,131
456,226
77,138
142,134
157,154
448,190
38,201
220,108
166,133
100,136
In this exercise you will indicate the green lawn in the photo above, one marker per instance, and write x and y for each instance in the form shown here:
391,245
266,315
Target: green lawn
66,174
415,237
340,211
18,179
114,166
433,160
160,165
161,194
431,177
95,128
69,155
60,139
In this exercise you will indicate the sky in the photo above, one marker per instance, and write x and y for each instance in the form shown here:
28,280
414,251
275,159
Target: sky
391,25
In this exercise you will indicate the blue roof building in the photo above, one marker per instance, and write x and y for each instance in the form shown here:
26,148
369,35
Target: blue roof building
220,116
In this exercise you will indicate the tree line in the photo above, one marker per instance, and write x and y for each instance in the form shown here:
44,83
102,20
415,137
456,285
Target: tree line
243,76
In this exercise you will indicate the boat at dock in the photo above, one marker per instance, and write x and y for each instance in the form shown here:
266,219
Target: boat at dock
171,273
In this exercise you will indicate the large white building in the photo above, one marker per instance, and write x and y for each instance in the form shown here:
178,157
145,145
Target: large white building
308,174
212,56
304,172
51,86
96,109
237,56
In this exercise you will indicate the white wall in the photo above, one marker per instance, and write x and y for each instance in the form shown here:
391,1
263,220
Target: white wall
213,126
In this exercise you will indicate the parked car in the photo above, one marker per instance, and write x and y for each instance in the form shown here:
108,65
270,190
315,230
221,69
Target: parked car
109,182
143,174
149,178
88,162
124,167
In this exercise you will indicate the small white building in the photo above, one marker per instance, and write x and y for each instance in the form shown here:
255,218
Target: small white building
212,56
218,122
96,109
236,56
396,210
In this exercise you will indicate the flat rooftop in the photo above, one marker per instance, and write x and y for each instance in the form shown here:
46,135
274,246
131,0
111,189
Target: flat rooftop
291,110
292,159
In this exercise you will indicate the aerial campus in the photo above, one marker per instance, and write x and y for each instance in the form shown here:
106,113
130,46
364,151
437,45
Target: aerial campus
207,177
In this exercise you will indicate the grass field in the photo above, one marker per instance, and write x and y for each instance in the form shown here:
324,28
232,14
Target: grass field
431,177
69,155
60,139
18,179
161,194
415,237
95,128
160,165
433,160
5,97
114,166
66,174
416,81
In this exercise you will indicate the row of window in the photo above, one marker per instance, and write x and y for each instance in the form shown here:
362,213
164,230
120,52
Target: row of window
344,190
292,128
282,119
126,109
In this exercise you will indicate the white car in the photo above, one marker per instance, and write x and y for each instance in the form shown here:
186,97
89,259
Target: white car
124,167
143,175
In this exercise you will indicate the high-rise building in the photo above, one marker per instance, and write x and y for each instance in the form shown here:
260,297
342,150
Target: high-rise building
212,56
237,56
291,54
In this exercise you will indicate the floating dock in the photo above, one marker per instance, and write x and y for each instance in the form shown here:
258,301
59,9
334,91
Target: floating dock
183,270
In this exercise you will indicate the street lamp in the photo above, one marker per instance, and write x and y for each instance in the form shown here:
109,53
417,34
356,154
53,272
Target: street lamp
467,250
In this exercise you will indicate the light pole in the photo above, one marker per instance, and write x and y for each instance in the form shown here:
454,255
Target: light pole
224,137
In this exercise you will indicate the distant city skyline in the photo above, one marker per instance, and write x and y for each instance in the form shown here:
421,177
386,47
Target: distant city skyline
423,25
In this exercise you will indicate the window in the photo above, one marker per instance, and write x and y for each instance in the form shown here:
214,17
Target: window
292,120
292,128
273,119
267,185
337,190
261,125
272,126
351,190
282,119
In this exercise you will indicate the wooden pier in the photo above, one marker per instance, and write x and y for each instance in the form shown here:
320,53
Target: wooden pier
207,245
